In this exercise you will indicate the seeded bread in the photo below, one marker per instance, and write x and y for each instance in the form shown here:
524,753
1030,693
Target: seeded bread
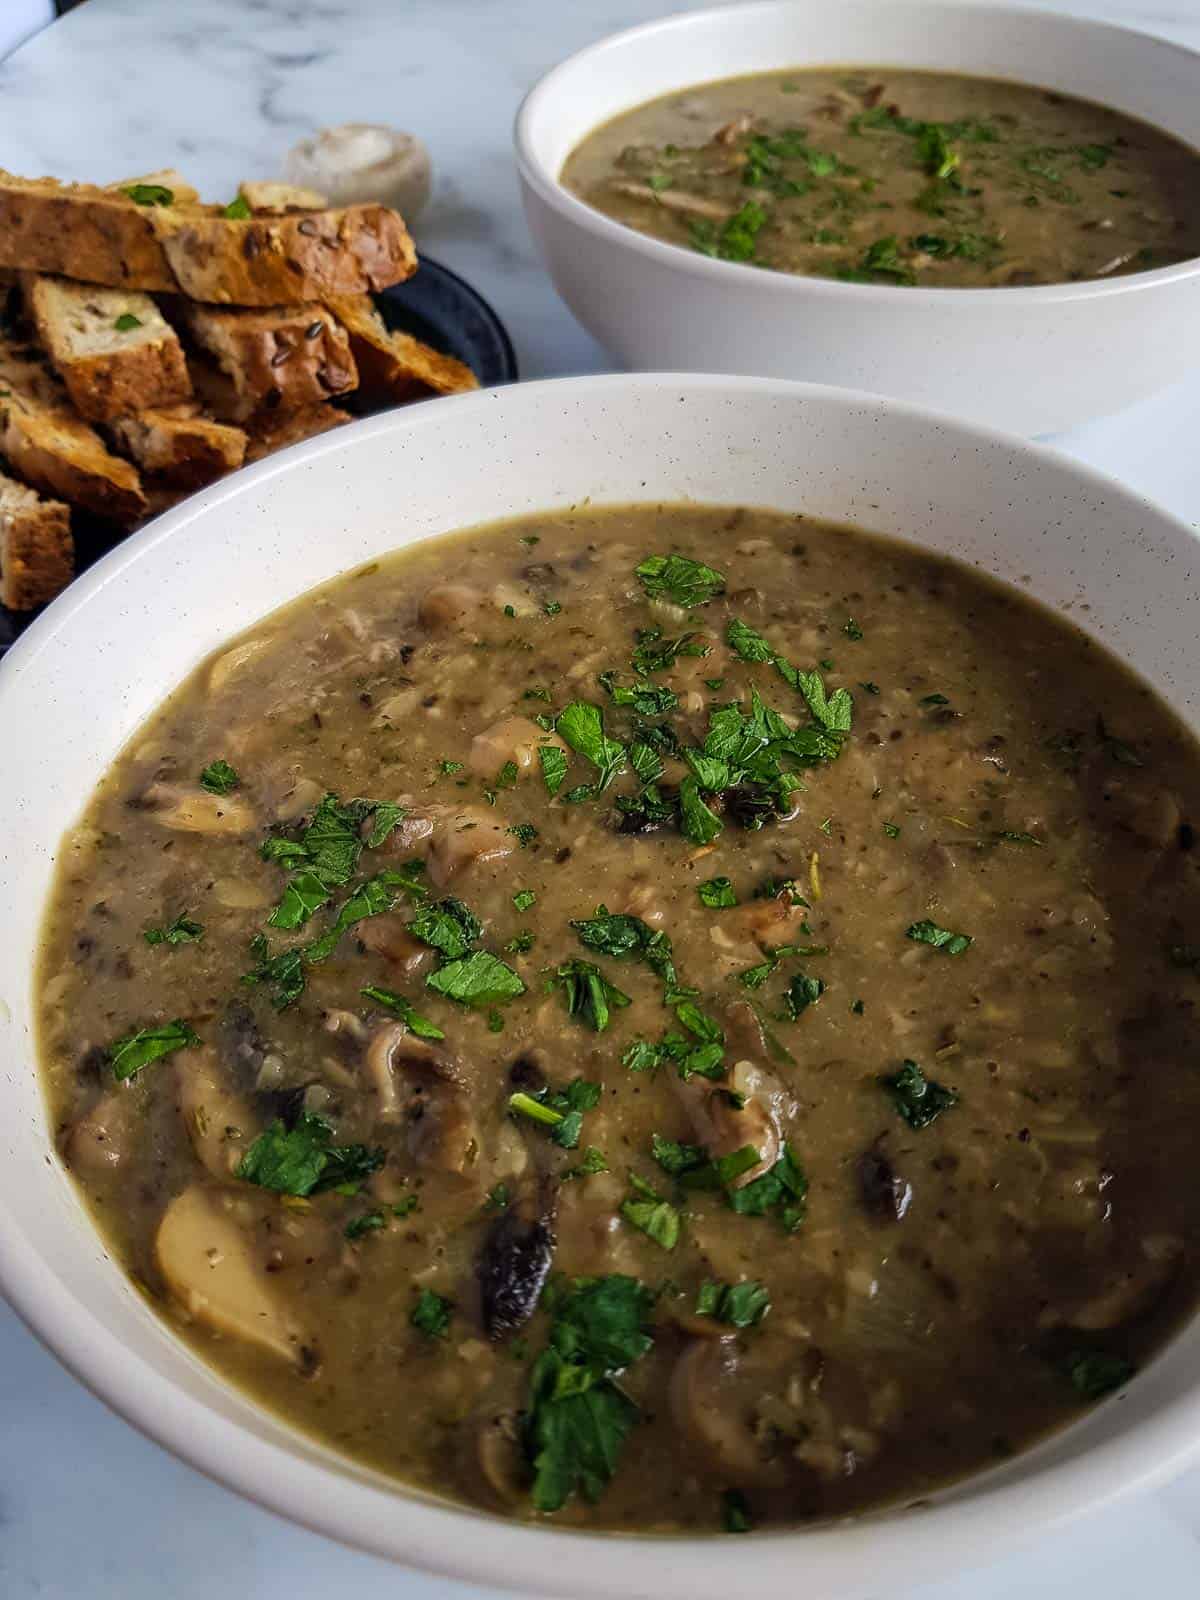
280,260
179,447
277,430
280,197
112,348
104,236
285,358
395,364
80,231
36,550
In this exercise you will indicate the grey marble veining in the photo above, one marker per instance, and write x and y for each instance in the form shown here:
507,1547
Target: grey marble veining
220,88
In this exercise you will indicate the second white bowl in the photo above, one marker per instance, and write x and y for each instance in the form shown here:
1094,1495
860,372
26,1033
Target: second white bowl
1033,360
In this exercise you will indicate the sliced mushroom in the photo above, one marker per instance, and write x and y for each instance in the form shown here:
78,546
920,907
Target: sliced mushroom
708,1408
219,1123
687,205
492,1464
103,1137
451,607
885,1193
516,1257
209,1265
723,1125
418,1082
515,739
197,811
465,836
388,936
1130,1295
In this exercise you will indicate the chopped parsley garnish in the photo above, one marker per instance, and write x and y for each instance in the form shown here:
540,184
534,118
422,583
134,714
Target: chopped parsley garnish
851,629
237,210
782,1192
219,778
746,643
801,993
588,993
577,1417
304,1160
520,944
126,322
880,260
593,1162
404,1009
448,768
1009,837
735,1512
326,852
447,926
616,933
892,831
918,1099
1095,1373
926,932
551,608
431,1314
581,725
373,1221
559,1110
524,833
523,899
656,654
868,687
150,194
646,1210
282,973
717,894
182,931
680,580
741,1305
129,1055
736,239
647,699
934,700
754,977
480,979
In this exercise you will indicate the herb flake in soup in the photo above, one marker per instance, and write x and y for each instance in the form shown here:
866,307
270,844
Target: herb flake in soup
668,1017
888,176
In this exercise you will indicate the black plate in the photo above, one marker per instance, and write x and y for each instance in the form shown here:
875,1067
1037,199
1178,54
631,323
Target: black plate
436,306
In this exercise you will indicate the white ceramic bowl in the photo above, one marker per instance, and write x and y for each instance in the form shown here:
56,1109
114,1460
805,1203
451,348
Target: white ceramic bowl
107,652
1033,360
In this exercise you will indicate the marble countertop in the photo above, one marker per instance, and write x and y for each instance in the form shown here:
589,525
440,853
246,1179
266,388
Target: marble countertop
221,89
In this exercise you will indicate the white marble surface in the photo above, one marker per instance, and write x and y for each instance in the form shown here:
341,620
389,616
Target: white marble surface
88,1509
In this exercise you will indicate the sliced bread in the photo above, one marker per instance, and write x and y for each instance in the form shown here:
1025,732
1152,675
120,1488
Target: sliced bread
280,197
60,454
179,447
112,348
280,260
277,430
395,364
37,556
80,231
283,358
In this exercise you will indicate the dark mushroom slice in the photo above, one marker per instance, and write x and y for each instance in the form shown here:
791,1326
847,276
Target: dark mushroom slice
885,1193
516,1258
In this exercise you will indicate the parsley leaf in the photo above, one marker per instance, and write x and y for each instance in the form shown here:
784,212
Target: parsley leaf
717,894
1097,1372
554,767
126,322
680,580
283,973
588,993
676,1158
741,1305
523,899
647,699
593,1162
447,926
402,1008
581,725
480,979
150,194
801,993
182,931
304,1160
918,1099
577,1418
219,778
656,654
237,210
129,1055
431,1314
736,239
927,932
653,1215
697,821
735,1512
746,644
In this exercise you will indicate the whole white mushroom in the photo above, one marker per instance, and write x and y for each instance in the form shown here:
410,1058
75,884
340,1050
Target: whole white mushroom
364,161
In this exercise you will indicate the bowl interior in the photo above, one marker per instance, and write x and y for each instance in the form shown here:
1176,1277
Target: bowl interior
84,677
1128,71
